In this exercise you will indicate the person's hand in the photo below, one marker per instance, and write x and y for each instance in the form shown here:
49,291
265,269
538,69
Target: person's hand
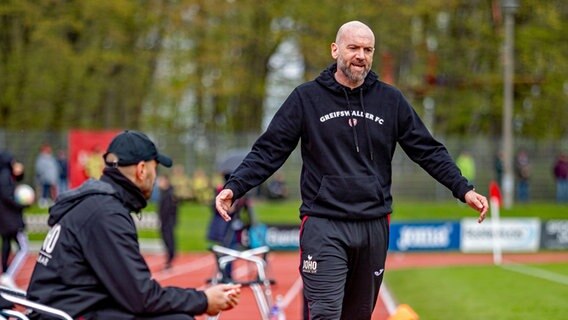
222,297
477,202
223,203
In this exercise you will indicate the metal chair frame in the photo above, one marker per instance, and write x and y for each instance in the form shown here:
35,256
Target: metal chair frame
19,297
261,287
6,314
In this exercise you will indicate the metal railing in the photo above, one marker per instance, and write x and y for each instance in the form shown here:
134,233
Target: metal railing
200,151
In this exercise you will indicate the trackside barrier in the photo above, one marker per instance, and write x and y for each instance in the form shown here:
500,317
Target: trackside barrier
424,236
514,235
554,235
466,235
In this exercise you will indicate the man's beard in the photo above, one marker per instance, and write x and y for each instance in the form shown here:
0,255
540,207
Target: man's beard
355,78
147,191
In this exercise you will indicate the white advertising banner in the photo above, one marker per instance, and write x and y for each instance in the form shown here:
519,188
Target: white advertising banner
514,235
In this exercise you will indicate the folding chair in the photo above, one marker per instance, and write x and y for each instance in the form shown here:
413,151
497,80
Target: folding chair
18,297
261,286
7,314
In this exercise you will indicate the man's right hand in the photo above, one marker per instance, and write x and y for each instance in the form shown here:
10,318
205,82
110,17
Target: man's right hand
222,297
223,203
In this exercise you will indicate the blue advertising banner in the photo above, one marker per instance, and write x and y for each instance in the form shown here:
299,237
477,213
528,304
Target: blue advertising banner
424,236
277,237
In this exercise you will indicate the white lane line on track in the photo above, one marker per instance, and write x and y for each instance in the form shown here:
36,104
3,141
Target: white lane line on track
290,295
292,292
536,272
297,287
184,269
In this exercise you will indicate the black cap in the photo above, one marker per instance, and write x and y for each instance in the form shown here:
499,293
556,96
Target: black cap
132,147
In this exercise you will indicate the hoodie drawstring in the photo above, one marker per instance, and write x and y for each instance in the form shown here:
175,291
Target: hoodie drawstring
366,124
351,121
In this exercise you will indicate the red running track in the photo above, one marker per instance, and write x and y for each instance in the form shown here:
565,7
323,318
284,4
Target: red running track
192,270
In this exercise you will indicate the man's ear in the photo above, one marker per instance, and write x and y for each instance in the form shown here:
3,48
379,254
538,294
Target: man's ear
334,49
141,170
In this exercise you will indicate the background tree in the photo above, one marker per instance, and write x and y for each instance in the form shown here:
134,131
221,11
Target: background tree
201,66
218,63
77,63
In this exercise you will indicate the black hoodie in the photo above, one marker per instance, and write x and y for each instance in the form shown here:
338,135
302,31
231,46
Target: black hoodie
91,260
348,138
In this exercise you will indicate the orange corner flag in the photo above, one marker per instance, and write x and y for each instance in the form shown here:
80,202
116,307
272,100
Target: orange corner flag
404,312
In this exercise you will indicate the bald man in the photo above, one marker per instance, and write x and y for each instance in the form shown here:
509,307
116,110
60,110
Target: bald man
349,123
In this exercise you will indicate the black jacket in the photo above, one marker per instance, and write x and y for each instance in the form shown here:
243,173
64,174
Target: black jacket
11,212
348,138
90,259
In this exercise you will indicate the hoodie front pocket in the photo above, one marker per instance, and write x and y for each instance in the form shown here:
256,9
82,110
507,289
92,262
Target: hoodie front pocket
354,190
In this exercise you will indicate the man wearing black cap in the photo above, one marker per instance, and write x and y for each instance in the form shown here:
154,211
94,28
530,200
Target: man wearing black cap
90,265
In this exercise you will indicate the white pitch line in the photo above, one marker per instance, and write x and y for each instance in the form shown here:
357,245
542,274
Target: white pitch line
538,273
185,268
388,299
292,292
297,287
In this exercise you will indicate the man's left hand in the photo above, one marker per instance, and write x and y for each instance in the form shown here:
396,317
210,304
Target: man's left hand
477,202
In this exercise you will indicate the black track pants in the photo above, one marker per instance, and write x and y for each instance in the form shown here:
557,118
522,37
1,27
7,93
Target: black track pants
342,265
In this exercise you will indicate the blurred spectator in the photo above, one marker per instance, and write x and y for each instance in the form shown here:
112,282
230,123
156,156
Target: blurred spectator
47,176
466,163
168,212
63,184
181,183
560,171
498,166
276,188
201,187
11,219
155,196
523,173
